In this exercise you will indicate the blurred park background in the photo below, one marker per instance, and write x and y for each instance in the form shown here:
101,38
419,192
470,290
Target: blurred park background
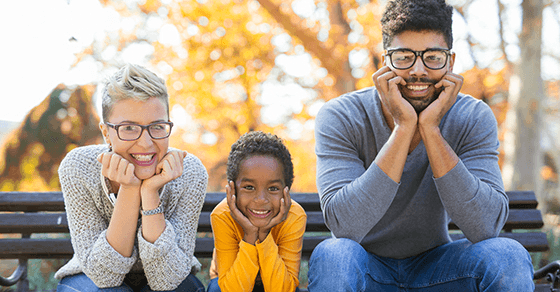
233,66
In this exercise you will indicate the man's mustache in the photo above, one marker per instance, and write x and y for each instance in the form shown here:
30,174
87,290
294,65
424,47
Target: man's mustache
420,80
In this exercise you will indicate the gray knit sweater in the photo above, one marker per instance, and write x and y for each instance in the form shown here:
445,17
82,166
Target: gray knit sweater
400,220
166,262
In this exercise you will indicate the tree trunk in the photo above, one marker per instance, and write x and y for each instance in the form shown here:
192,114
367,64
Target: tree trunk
522,142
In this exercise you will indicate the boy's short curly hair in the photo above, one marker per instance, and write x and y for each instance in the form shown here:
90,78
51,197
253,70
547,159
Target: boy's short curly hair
416,15
258,143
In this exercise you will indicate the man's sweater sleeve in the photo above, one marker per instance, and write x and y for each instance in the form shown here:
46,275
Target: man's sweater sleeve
353,198
472,192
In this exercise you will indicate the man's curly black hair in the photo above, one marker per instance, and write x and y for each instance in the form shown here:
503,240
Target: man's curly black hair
416,15
258,143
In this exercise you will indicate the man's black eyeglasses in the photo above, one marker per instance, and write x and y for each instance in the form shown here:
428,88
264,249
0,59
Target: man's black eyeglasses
131,132
434,59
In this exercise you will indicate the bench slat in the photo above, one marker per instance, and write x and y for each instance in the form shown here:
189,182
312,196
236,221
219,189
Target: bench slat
309,201
57,222
62,248
532,241
31,202
53,201
518,219
33,223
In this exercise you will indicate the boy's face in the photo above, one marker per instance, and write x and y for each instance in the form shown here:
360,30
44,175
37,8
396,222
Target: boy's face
420,80
259,188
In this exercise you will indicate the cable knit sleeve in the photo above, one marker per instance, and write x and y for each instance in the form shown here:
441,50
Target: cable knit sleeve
81,188
169,260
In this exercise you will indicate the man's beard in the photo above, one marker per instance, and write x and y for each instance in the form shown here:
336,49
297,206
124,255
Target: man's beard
420,104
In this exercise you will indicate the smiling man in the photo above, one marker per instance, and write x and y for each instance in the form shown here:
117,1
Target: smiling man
398,161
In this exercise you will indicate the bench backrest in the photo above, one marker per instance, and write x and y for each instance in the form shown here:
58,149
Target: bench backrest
43,212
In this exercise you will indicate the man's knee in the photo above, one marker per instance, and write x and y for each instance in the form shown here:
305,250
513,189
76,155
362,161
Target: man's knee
507,263
336,255
502,251
334,249
336,264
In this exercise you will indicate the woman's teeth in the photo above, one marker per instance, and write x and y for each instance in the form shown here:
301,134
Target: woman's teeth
142,157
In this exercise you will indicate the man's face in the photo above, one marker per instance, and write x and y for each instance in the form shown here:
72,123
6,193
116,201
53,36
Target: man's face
419,90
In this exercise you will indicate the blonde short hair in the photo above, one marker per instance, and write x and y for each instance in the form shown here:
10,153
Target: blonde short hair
132,82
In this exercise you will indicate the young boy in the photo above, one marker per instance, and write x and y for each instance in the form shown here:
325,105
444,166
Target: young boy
257,229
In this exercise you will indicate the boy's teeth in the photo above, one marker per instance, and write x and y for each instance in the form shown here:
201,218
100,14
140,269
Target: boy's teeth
259,212
142,157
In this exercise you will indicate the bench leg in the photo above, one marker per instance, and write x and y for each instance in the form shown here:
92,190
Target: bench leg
17,275
23,283
552,274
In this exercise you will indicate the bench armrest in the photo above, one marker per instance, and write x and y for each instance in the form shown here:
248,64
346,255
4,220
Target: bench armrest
552,272
16,275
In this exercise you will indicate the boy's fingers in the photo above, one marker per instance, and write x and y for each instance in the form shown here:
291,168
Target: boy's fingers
287,195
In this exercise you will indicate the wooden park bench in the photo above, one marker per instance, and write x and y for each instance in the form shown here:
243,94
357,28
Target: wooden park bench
27,213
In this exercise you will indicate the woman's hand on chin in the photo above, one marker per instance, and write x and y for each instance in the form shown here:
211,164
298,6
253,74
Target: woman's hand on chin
168,169
117,169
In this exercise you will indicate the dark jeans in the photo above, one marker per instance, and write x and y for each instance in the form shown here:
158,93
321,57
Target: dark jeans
497,264
132,283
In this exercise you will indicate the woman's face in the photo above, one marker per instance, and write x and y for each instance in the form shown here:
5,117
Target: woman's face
144,153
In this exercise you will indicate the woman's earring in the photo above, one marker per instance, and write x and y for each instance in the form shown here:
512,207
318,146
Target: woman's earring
110,148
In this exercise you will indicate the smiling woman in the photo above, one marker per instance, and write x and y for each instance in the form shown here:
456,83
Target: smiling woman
130,200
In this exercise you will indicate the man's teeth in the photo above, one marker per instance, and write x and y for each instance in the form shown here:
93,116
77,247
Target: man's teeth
259,212
142,157
417,87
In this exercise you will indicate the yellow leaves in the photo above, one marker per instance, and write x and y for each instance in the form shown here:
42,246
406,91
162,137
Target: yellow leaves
548,173
493,80
150,6
28,167
7,186
31,155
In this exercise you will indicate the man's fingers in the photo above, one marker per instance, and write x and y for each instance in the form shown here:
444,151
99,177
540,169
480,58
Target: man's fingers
379,73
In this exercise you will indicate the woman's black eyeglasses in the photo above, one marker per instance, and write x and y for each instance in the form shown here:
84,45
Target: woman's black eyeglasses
131,132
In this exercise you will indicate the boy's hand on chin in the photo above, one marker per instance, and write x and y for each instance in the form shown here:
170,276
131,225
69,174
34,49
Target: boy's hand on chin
285,205
251,232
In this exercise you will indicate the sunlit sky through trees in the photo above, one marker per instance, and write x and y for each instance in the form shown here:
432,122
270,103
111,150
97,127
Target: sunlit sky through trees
40,40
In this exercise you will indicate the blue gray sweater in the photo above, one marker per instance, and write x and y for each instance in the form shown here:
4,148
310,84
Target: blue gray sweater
400,220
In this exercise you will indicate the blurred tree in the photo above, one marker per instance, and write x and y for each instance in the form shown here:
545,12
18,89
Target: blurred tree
526,98
238,65
31,154
230,72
